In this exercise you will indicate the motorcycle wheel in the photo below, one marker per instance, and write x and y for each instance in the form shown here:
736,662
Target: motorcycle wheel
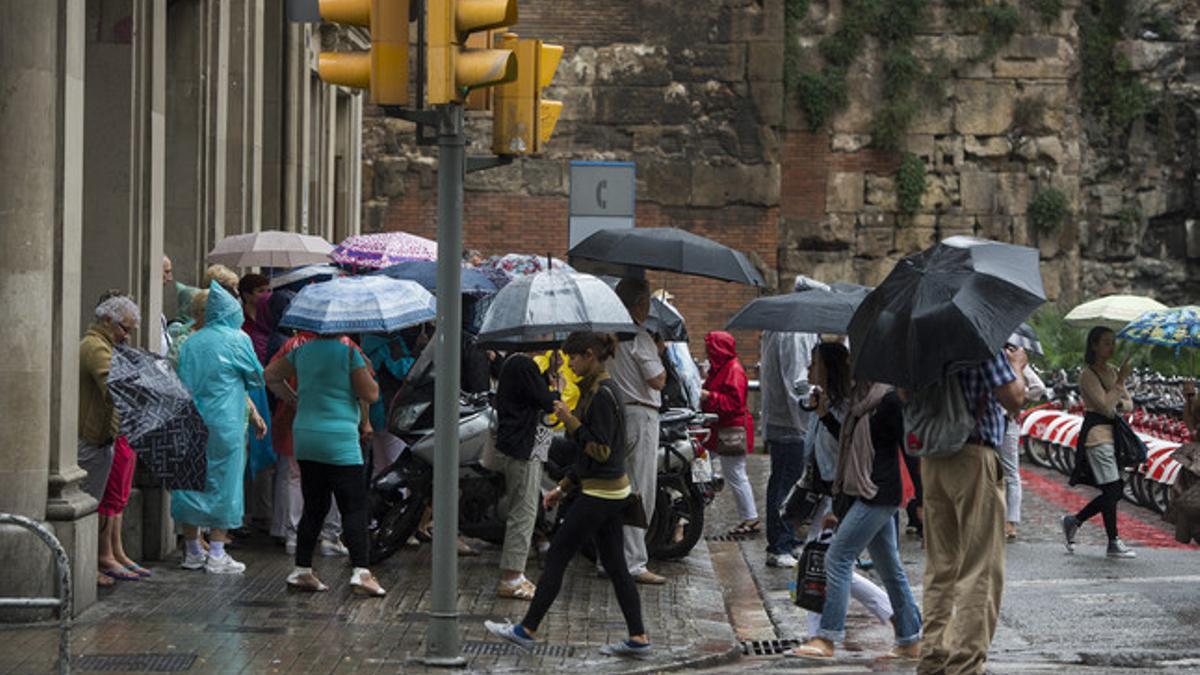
392,523
1160,496
678,502
1038,452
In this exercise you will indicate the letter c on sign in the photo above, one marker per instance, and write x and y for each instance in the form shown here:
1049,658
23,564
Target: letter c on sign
601,187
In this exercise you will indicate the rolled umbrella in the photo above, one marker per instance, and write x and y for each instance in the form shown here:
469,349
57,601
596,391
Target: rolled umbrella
424,272
626,252
806,311
370,304
950,306
158,418
298,278
270,249
1112,311
540,309
376,251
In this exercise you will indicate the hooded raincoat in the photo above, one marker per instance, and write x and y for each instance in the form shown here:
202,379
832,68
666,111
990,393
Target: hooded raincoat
219,367
727,387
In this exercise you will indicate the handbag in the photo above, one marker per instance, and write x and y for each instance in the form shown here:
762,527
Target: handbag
801,500
731,441
634,514
1131,450
810,574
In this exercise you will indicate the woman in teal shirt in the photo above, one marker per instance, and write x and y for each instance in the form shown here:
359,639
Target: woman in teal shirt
334,386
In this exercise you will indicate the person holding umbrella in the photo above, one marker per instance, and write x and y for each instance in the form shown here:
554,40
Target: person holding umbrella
219,367
1104,397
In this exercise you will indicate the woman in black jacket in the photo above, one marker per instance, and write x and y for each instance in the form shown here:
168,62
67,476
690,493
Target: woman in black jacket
599,511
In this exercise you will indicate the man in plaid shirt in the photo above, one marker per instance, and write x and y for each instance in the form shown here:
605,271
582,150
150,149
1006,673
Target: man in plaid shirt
964,525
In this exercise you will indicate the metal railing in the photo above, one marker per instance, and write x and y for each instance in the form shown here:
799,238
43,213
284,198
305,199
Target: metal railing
63,601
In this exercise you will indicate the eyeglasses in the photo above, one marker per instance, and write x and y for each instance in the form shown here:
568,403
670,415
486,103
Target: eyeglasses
126,328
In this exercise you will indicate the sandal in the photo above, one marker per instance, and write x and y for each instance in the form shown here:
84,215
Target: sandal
899,653
139,570
120,574
810,650
523,589
103,581
747,527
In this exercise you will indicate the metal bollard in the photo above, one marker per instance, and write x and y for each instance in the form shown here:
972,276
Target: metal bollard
63,601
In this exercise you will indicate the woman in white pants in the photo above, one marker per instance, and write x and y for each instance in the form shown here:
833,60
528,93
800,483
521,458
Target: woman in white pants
724,394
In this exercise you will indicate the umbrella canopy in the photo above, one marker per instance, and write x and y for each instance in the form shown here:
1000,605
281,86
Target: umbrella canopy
666,322
806,311
1026,338
376,251
502,269
158,418
537,309
370,304
424,272
1112,311
300,277
1178,327
627,251
952,305
270,249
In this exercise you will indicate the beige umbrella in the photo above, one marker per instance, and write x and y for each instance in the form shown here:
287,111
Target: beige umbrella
1113,311
271,249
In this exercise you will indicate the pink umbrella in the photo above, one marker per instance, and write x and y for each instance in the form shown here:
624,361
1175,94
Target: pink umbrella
376,251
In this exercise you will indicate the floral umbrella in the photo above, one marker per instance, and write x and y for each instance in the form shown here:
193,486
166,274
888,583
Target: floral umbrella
1178,327
376,251
502,269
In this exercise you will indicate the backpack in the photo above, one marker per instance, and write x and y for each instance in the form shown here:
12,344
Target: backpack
937,422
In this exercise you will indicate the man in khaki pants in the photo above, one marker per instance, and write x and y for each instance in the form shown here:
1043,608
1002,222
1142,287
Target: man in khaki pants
964,525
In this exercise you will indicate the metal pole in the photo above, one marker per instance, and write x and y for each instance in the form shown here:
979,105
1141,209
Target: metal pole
442,644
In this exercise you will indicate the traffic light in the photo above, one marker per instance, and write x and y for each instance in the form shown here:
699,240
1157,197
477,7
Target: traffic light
383,69
522,120
454,69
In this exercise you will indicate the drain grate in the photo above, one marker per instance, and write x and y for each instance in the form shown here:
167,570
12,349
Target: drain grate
767,647
153,663
728,537
507,649
262,630
301,615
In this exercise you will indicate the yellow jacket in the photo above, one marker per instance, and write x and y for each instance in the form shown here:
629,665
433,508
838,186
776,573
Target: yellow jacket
570,387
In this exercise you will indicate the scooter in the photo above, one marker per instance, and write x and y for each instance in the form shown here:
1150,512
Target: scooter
686,484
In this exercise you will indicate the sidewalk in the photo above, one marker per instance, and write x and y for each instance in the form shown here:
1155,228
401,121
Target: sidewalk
253,624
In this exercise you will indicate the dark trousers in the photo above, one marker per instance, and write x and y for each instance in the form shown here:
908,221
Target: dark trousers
787,465
588,517
319,482
1105,504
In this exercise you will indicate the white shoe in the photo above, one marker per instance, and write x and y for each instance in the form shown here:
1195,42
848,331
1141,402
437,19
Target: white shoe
224,565
290,546
781,560
333,547
194,562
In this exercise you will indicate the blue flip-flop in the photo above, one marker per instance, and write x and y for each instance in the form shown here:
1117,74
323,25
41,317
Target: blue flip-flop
139,570
120,575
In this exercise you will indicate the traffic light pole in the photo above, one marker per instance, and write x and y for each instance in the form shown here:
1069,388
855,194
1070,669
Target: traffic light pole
442,644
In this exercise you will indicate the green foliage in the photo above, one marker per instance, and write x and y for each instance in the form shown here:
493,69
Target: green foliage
1160,24
1110,91
1048,210
819,94
910,183
1063,345
901,70
1130,215
1048,10
1131,99
796,10
999,23
891,122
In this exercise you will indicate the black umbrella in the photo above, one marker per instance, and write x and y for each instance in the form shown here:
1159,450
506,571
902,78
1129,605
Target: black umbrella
666,322
625,252
945,308
158,418
808,311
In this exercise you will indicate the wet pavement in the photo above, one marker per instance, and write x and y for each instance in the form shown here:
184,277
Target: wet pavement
723,610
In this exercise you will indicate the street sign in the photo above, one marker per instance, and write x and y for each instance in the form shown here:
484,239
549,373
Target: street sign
602,197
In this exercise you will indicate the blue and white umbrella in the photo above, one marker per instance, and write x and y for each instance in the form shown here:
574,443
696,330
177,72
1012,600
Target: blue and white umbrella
299,277
360,305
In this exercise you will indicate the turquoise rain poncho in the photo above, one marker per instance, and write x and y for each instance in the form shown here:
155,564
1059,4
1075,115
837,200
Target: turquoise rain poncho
219,367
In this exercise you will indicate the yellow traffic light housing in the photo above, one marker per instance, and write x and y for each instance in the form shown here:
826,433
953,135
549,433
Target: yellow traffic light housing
523,121
383,69
454,69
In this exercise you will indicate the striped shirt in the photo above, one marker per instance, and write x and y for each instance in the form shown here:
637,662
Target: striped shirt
979,384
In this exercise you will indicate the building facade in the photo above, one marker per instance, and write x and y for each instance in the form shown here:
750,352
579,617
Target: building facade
131,129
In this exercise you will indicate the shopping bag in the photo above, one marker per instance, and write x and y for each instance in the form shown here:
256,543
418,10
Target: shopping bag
810,574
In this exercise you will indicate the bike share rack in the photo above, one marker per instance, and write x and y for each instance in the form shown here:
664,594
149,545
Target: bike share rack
63,601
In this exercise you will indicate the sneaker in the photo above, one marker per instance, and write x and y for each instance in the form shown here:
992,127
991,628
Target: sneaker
333,547
628,648
194,562
864,564
223,565
1070,526
305,581
1118,549
508,632
367,585
650,578
781,560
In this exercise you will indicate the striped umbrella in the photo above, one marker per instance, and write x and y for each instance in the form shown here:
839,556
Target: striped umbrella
376,251
371,304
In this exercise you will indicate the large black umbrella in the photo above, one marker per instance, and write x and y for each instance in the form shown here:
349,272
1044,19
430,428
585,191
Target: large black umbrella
626,252
947,307
814,310
158,418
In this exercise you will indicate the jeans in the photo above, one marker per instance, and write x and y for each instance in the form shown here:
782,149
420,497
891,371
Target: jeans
1010,455
862,589
873,528
787,464
589,517
320,483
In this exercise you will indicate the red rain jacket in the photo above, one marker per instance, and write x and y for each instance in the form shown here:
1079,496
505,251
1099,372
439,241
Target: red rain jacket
727,387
